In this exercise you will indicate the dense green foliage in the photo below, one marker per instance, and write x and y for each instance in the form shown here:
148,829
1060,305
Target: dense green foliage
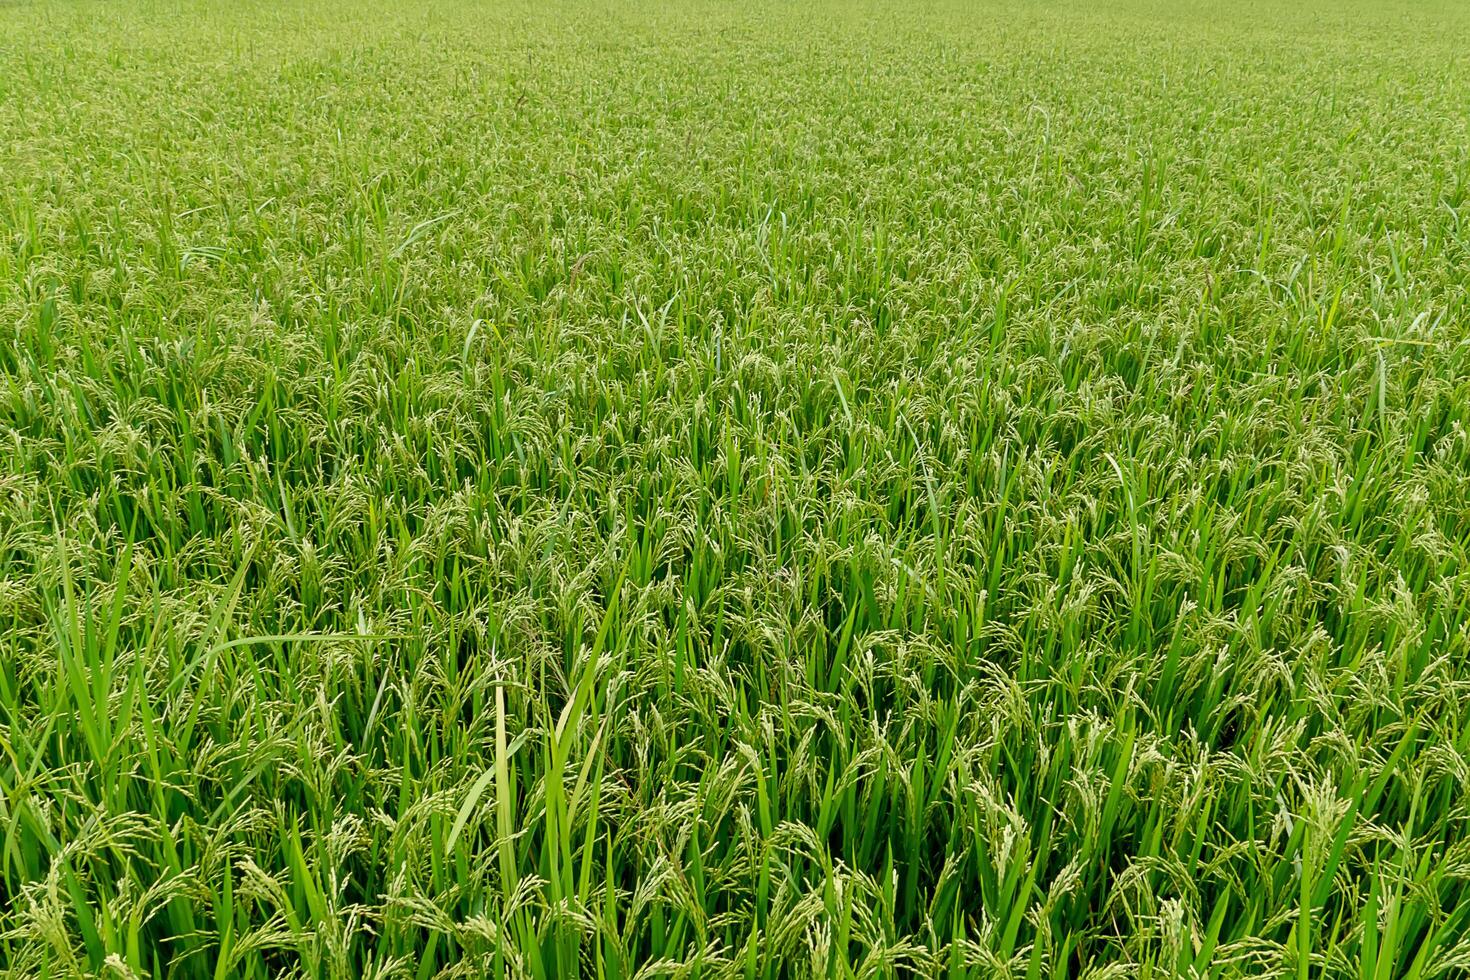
725,490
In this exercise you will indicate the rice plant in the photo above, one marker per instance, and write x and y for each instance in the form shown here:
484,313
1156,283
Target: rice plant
635,488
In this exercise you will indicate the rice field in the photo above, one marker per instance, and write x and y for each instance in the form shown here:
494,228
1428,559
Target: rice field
632,489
